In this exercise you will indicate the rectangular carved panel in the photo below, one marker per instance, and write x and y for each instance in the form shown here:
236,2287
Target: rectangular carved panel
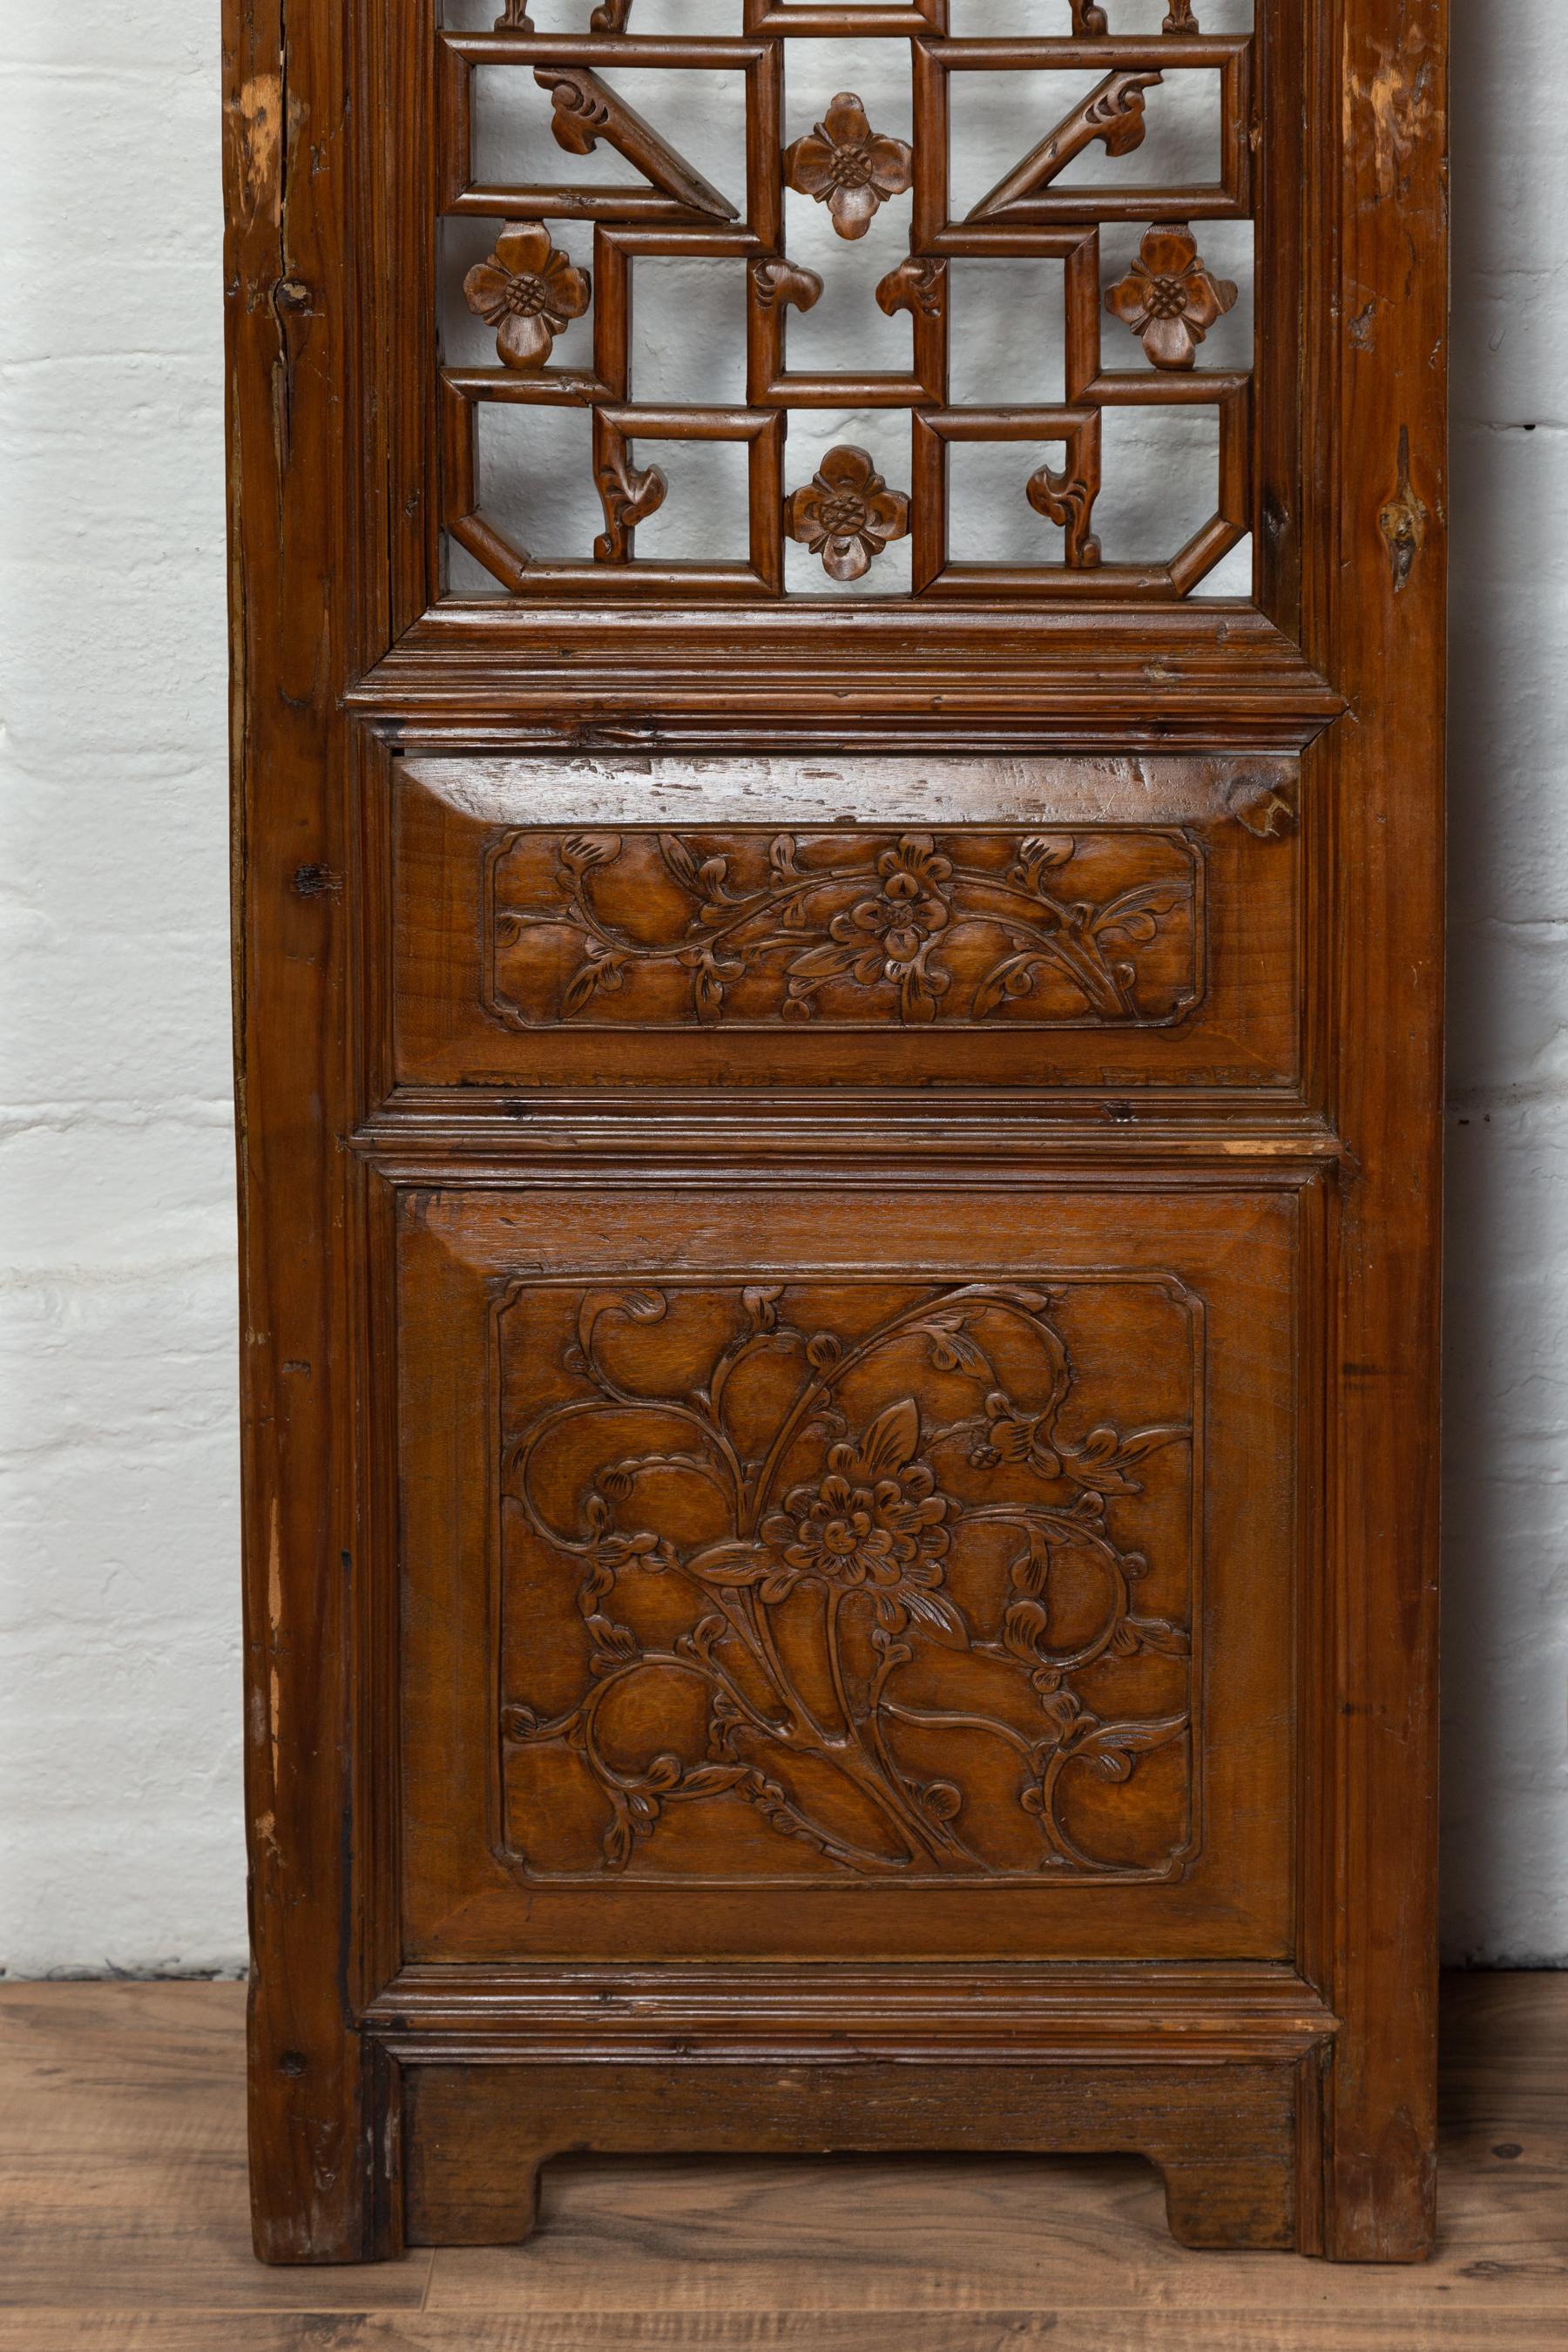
1070,922
837,1575
666,930
794,1548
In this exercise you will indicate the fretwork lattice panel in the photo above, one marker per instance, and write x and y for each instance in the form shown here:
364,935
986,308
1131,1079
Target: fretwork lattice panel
1138,296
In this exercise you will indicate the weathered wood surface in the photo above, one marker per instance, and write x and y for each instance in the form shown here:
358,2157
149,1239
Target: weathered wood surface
425,1062
126,2226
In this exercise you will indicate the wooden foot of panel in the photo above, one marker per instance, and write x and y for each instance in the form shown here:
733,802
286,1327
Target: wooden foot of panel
1224,2135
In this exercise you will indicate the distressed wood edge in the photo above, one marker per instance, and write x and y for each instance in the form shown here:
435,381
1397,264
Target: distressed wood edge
1376,588
322,2100
1009,2013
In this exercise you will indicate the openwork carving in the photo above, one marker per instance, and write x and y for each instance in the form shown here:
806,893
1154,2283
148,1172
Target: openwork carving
846,161
1168,298
857,930
527,291
847,166
847,514
881,1579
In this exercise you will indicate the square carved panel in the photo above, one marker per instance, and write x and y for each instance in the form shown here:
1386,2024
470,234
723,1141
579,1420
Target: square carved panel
837,1575
929,1557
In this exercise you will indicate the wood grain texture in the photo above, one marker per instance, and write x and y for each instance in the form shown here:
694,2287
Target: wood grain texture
491,1367
126,2103
431,1117
123,2173
130,2099
689,920
1375,593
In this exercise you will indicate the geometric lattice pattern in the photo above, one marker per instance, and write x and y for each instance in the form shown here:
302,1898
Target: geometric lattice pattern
1132,331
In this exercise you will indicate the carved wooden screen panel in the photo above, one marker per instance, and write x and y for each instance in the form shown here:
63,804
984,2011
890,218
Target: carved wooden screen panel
838,632
1137,301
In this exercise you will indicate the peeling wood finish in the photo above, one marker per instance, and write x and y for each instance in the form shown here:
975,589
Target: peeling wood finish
858,1183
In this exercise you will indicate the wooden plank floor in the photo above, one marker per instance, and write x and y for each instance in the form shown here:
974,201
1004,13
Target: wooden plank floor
123,2225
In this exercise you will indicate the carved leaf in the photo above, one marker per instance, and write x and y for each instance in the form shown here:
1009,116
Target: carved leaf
891,1440
603,969
1111,1747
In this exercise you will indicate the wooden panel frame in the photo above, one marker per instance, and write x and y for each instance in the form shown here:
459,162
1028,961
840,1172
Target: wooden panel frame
1304,2097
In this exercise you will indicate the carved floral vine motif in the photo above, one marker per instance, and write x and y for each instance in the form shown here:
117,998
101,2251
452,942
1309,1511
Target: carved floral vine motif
1112,112
861,1584
1168,298
1088,20
527,291
918,284
847,514
1180,17
1067,502
629,496
781,283
662,929
847,166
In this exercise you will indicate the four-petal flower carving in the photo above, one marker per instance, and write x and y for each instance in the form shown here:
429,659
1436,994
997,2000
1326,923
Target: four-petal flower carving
527,291
847,166
1168,298
847,514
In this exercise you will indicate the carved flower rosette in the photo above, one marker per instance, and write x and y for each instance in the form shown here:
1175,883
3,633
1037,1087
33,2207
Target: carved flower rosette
860,1580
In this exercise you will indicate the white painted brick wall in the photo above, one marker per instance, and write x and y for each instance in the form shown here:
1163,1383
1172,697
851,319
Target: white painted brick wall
120,1843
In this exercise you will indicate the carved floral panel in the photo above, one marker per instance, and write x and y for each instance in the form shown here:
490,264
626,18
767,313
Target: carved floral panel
827,206
846,1577
848,928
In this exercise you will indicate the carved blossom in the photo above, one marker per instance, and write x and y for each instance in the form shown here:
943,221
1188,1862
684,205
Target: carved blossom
527,291
847,166
847,514
874,1523
889,936
1168,298
830,919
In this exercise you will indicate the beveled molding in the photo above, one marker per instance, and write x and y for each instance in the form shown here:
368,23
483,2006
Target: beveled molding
1010,2013
482,676
899,1143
